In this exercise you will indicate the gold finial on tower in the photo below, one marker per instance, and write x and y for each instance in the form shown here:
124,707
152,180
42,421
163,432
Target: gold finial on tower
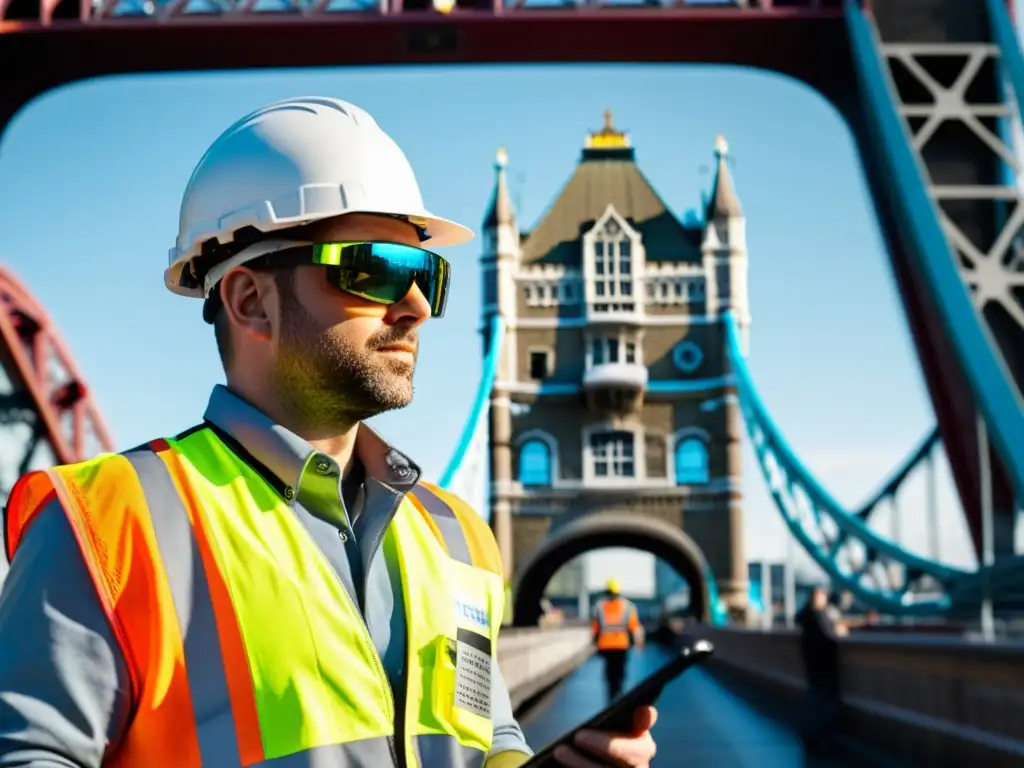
608,137
501,158
721,145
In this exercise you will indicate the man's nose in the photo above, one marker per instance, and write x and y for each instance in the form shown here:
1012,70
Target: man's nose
412,310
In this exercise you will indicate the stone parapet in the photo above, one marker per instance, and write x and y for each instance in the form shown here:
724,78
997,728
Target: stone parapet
534,659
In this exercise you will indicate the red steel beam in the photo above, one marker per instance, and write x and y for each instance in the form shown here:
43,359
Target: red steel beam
67,412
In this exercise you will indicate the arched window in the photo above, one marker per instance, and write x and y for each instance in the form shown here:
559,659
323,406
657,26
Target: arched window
613,269
535,463
692,462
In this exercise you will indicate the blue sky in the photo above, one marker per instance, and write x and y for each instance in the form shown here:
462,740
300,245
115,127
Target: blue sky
91,178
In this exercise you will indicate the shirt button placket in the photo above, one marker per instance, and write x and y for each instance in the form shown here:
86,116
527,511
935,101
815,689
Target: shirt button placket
324,466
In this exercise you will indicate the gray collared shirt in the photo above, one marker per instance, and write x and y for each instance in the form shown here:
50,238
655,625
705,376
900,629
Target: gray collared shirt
64,691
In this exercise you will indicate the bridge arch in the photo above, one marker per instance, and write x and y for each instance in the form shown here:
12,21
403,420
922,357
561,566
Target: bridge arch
584,534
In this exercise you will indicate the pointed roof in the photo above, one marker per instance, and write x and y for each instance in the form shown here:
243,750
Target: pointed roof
723,202
607,174
501,210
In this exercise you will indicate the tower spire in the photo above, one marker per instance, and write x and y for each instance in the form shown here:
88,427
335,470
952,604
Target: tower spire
501,210
723,202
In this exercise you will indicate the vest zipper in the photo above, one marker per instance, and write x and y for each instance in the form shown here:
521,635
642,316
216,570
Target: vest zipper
392,746
381,673
359,599
398,713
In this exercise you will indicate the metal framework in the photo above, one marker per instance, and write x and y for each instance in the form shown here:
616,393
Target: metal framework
54,42
47,415
992,271
877,569
955,117
50,12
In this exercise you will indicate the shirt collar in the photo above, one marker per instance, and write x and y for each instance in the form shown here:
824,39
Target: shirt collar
287,456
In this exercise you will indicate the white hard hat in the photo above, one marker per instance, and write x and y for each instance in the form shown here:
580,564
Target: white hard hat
291,163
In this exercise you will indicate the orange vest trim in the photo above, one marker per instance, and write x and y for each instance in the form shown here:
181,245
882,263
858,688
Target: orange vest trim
236,665
120,553
30,494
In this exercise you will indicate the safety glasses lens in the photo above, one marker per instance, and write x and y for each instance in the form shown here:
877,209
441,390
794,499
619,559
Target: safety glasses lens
386,272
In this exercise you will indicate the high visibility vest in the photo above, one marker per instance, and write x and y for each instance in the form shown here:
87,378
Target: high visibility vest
243,647
615,623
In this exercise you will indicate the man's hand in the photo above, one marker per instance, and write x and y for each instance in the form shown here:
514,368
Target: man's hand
597,749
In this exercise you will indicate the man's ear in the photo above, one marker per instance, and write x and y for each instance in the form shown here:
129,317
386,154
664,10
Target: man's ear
248,300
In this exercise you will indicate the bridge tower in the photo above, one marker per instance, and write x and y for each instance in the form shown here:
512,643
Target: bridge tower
613,392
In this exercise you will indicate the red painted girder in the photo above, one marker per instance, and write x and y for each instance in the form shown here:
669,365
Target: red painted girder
65,407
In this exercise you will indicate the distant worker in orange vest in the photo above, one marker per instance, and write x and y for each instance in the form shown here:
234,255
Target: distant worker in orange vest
616,627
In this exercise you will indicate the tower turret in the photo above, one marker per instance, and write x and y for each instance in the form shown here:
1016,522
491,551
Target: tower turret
498,264
724,252
501,245
724,248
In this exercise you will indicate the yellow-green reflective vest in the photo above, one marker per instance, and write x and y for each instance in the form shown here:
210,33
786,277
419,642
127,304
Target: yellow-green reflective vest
243,647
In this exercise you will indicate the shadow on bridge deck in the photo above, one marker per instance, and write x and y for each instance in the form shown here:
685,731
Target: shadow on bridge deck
702,723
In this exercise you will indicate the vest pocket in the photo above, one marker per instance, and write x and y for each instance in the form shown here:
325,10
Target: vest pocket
457,690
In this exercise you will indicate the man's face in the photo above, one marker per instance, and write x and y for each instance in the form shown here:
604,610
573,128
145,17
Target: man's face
339,358
819,598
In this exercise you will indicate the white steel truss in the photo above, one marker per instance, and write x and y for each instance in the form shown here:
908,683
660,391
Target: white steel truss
991,271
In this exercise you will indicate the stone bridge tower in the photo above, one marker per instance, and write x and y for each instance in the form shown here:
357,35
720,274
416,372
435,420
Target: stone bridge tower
613,390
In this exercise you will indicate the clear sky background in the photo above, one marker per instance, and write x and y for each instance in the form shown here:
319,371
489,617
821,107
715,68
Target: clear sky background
91,178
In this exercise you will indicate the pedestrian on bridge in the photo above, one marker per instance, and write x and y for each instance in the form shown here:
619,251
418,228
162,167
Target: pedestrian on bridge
276,585
616,628
820,629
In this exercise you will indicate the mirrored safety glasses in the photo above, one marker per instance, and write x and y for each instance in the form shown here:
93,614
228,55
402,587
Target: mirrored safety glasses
383,273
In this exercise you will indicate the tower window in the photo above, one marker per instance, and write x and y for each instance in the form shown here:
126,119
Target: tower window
613,454
538,364
691,462
612,349
613,269
535,464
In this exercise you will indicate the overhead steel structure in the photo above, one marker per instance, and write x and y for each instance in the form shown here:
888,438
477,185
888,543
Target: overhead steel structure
926,87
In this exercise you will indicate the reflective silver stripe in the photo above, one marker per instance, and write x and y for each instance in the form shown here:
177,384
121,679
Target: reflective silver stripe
438,750
183,564
368,753
446,521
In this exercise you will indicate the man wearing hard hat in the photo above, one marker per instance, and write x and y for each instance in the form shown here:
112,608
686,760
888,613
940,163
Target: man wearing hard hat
616,627
275,586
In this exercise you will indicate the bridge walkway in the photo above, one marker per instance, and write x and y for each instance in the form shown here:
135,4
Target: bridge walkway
703,722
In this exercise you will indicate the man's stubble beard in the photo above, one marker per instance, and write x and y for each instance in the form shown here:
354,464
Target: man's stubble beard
326,380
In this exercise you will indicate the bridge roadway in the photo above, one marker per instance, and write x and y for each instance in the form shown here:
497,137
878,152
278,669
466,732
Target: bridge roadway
703,723
944,701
